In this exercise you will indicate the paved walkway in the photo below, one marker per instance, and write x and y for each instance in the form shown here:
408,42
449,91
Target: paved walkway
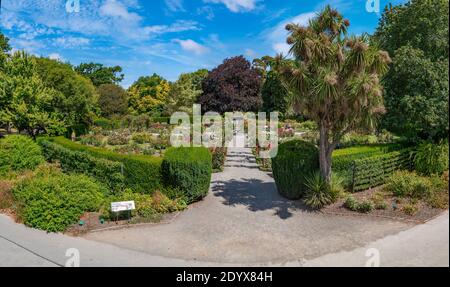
243,221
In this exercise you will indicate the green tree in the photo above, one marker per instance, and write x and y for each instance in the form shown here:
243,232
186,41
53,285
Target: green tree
185,92
335,79
416,97
100,74
275,95
25,101
148,94
4,45
113,100
76,96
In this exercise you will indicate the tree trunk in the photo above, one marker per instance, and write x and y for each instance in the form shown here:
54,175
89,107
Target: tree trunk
325,152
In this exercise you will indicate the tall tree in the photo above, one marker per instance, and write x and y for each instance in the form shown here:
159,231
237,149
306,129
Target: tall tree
417,86
232,86
25,101
100,74
113,100
148,94
4,43
185,92
335,79
76,98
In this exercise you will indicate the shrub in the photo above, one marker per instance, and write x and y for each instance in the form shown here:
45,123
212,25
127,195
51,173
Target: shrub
294,159
364,206
106,171
410,209
141,138
54,202
18,153
218,158
91,139
431,158
409,184
142,173
118,138
378,201
318,192
189,170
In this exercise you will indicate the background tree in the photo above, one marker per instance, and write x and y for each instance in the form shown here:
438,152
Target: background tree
148,94
100,74
274,93
232,86
416,97
4,48
185,92
76,97
335,80
113,100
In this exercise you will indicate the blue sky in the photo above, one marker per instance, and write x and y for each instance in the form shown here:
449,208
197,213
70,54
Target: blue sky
168,37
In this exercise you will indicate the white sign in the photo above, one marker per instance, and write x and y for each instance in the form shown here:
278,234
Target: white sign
122,206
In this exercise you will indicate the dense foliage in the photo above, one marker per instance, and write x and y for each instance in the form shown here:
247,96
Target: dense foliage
148,94
99,74
19,153
113,100
274,94
185,92
54,201
142,173
416,98
232,86
335,79
107,171
188,170
295,160
431,159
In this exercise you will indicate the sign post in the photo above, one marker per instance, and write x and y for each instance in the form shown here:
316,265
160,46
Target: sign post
117,207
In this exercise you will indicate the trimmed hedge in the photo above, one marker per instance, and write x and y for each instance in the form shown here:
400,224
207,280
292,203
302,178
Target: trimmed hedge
189,170
142,173
375,170
106,171
343,159
295,159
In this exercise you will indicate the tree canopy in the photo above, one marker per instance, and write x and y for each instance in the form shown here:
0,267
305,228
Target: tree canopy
100,74
113,100
148,94
232,86
335,79
185,92
417,86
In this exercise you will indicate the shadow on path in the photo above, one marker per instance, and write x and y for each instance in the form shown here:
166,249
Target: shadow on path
257,195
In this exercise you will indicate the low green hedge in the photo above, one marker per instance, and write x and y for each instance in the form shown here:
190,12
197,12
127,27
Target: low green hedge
189,170
375,170
106,171
295,160
142,173
343,159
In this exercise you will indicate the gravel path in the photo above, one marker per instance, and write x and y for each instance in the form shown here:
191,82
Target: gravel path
244,220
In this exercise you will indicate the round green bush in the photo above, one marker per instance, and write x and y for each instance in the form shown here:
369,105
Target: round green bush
189,170
54,201
18,153
295,160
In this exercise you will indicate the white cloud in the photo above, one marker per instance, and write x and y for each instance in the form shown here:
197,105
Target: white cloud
72,42
175,5
192,46
113,8
236,5
277,36
207,11
55,56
